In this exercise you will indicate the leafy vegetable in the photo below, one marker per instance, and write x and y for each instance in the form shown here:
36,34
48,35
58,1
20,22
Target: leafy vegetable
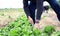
49,29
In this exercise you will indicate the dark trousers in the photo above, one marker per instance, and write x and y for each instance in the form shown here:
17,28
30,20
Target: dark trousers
55,6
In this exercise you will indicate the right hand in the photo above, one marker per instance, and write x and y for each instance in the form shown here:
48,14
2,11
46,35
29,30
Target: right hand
30,20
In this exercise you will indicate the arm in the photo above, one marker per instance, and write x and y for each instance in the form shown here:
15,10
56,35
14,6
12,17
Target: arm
26,7
27,11
39,9
39,13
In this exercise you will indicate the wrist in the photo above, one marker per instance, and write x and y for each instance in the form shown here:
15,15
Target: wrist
28,17
36,21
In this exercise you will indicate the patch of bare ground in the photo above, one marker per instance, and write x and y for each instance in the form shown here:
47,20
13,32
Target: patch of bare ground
8,17
49,18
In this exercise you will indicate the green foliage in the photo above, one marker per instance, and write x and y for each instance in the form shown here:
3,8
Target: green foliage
58,2
1,14
22,27
12,10
9,16
19,27
49,29
56,33
44,34
36,32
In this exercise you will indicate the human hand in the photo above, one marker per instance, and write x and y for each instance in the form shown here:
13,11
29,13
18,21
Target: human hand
30,20
36,26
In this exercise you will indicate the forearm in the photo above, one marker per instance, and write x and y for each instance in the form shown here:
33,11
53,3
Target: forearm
39,9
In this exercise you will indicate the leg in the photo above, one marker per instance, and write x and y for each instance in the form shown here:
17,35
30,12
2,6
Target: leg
55,6
32,8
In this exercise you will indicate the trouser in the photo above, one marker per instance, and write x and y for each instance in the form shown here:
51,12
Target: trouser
55,6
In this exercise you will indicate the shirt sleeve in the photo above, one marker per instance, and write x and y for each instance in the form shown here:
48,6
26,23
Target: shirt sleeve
39,9
26,7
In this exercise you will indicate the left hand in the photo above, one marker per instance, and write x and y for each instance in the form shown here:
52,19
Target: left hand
36,26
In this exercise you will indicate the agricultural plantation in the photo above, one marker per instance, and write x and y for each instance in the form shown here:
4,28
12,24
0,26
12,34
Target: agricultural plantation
13,22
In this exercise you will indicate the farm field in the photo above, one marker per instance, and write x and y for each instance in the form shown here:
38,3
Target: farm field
13,22
8,15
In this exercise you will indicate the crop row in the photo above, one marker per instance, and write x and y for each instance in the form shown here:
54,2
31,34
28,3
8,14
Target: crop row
22,27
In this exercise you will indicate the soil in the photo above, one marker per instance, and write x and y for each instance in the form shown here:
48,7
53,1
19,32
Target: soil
49,18
8,17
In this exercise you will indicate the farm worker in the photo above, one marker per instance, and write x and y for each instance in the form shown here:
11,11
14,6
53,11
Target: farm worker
31,5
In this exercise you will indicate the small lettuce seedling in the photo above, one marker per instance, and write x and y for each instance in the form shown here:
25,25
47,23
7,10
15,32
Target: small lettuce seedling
49,29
